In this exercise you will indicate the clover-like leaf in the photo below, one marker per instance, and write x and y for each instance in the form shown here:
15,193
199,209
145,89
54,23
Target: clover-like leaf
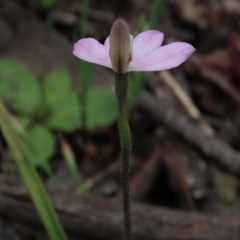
24,121
57,86
41,144
18,86
66,114
102,108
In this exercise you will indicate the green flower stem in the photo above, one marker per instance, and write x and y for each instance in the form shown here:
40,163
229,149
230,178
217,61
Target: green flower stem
85,68
83,24
121,87
156,9
49,24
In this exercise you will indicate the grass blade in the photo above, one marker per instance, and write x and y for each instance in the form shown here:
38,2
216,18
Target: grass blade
30,177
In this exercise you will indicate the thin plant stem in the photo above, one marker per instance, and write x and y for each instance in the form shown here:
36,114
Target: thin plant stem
83,24
85,68
44,59
121,87
155,12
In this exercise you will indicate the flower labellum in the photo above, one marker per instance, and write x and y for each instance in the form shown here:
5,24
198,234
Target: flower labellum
123,54
119,46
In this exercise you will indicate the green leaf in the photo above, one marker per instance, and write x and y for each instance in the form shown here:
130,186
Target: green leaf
102,107
24,121
66,114
57,86
25,93
19,86
64,105
8,69
41,144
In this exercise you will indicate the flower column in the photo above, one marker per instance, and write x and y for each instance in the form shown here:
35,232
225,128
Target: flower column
120,54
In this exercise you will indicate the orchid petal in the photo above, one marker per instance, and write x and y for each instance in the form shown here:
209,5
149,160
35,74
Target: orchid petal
146,42
162,58
90,50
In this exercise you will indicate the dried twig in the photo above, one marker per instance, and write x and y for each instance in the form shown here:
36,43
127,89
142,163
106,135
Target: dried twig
186,101
213,148
217,79
92,218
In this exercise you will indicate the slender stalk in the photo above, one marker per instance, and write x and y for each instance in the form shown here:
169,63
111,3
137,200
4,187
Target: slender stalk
44,59
85,68
121,87
83,24
155,13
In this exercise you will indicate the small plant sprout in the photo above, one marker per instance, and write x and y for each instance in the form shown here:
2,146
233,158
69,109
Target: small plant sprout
124,54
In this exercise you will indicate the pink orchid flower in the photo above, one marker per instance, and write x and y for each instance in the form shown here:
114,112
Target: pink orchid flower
147,54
